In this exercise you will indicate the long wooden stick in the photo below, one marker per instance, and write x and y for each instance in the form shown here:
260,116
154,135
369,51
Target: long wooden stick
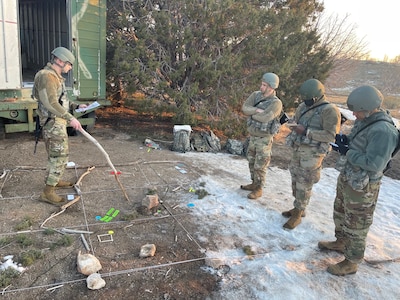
94,141
68,204
63,208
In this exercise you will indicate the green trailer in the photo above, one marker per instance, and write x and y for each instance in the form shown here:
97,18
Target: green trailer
29,31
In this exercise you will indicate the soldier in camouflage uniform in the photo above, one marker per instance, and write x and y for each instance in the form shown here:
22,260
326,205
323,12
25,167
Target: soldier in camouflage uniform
263,109
316,124
365,153
53,112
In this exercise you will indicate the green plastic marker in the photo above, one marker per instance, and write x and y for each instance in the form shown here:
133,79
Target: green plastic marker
110,211
116,212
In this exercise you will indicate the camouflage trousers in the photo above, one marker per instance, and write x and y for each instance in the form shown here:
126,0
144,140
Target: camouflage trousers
56,140
353,213
305,170
259,156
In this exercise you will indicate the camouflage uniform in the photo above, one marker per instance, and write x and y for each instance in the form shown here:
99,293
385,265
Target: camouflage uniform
262,127
49,88
359,181
322,123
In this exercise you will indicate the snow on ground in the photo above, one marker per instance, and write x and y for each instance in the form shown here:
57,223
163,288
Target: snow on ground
287,263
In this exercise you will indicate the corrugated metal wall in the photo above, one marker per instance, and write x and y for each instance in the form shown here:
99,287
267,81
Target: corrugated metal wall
44,26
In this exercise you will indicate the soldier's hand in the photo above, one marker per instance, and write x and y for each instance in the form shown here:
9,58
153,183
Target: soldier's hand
76,124
300,129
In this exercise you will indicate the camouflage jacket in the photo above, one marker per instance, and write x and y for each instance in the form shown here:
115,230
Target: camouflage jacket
267,122
48,88
322,123
370,149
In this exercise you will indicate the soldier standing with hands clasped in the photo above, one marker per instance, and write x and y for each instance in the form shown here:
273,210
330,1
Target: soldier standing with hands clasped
263,109
53,111
365,153
316,123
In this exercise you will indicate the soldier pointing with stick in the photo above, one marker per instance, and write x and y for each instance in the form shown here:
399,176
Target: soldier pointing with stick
53,112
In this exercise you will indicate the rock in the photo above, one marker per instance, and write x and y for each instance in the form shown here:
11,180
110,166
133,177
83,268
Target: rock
150,201
87,264
147,250
95,282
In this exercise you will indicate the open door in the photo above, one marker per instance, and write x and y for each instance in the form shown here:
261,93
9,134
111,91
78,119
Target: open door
10,62
88,38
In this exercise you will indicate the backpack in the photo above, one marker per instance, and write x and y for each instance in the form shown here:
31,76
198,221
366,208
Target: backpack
181,138
198,143
234,147
205,142
396,149
213,141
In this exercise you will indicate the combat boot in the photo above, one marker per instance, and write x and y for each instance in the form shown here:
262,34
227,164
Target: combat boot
345,267
295,219
337,245
288,213
51,197
249,187
64,184
256,193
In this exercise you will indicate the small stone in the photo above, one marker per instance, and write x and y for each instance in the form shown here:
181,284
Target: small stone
214,262
147,250
150,201
95,282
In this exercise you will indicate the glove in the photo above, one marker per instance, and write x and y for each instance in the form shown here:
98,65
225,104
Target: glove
341,139
341,144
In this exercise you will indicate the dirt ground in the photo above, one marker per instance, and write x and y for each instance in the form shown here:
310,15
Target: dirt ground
177,271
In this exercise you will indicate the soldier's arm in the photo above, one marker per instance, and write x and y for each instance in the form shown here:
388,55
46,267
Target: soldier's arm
272,112
47,89
248,107
330,125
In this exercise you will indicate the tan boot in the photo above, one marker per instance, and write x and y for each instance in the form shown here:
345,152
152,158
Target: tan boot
249,187
256,193
288,213
295,219
51,197
64,184
345,267
337,245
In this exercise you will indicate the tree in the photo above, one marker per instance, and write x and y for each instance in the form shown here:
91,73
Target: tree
209,55
339,38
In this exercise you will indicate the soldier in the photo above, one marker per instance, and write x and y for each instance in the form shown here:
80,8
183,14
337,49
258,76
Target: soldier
365,153
263,109
53,112
316,124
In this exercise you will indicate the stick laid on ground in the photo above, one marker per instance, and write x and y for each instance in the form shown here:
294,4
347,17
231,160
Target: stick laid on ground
94,141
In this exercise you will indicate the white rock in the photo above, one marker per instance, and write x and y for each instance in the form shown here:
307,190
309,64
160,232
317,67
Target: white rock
87,264
95,282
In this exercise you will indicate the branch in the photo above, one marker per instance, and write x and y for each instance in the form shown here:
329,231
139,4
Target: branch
65,206
92,139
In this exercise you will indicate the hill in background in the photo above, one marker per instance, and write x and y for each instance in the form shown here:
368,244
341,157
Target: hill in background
352,74
349,75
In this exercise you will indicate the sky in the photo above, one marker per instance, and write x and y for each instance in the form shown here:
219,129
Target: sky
287,263
377,21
